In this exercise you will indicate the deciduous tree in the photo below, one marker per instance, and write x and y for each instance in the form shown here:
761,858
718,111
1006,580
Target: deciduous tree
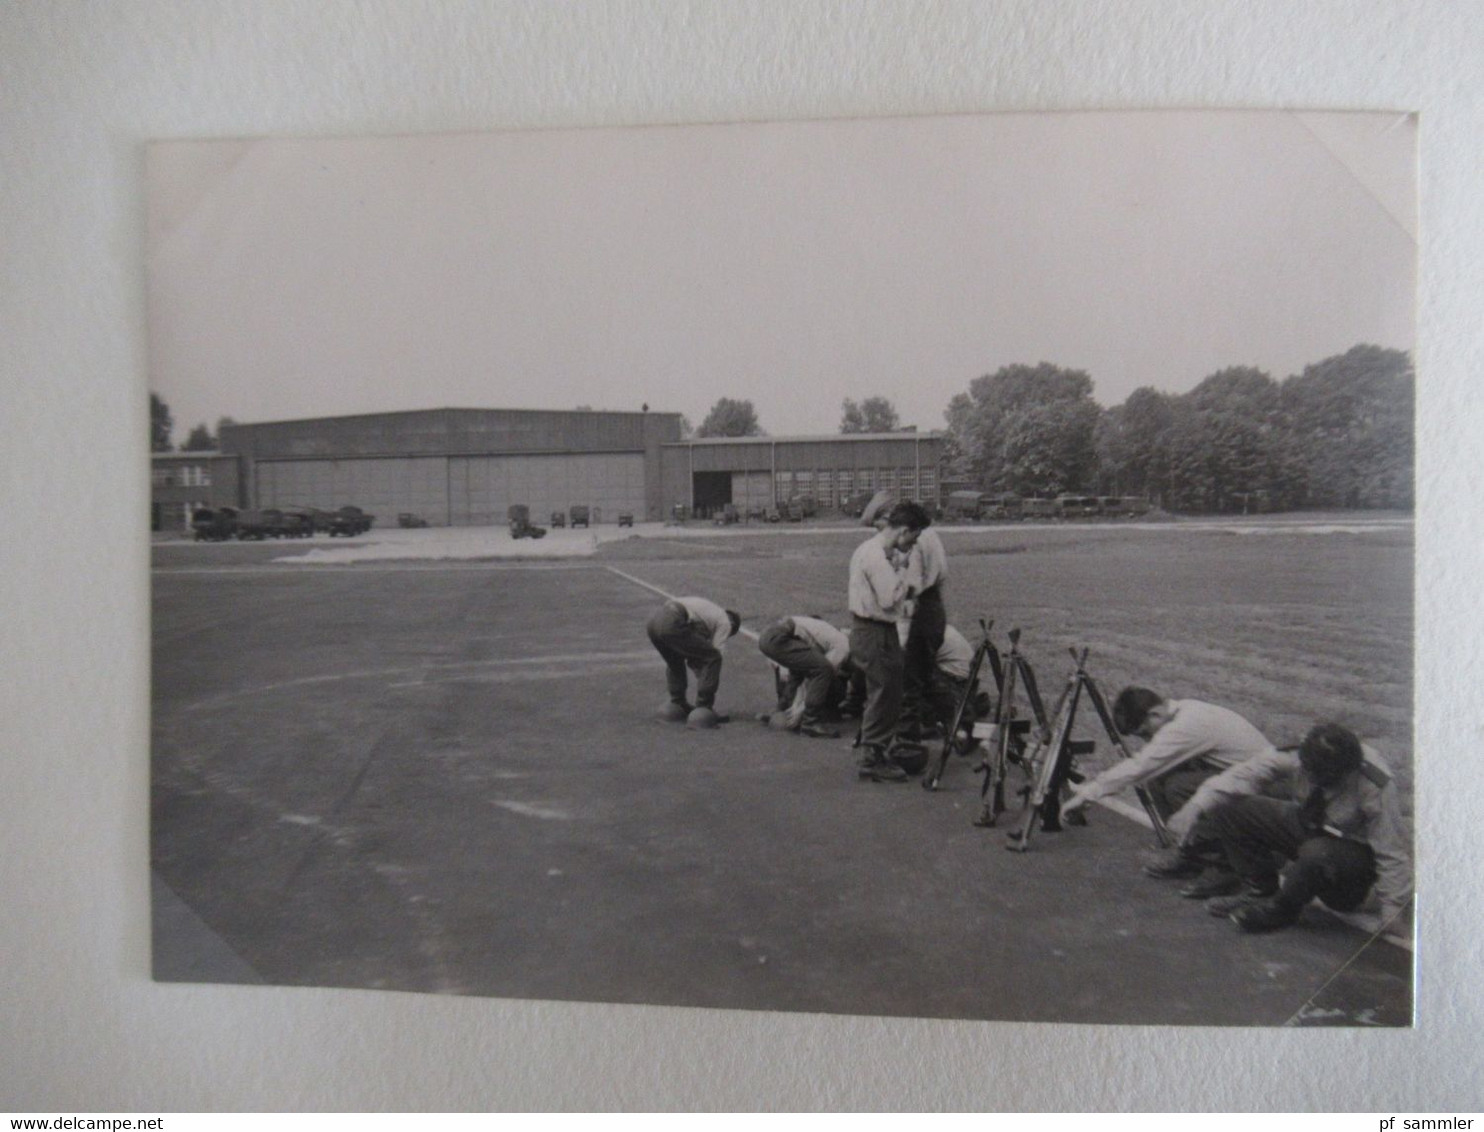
160,424
1350,421
874,414
983,421
199,440
730,417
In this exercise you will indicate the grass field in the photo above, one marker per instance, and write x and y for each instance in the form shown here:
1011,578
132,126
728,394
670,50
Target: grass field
446,776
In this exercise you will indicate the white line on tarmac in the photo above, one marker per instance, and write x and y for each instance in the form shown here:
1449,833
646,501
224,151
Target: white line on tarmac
411,565
750,634
423,672
1133,813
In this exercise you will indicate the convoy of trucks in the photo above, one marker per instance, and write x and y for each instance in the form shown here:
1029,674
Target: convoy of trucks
221,524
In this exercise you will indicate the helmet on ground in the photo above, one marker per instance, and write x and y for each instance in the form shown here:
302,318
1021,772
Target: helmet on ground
911,757
703,718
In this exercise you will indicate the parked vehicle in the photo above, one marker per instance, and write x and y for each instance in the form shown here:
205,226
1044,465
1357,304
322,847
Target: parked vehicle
855,505
801,507
1077,506
349,521
519,516
578,516
965,505
216,525
260,525
558,518
295,524
1039,509
407,520
1006,505
317,519
1134,506
625,518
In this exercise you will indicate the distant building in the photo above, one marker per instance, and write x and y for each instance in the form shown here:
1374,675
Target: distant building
756,472
466,467
183,482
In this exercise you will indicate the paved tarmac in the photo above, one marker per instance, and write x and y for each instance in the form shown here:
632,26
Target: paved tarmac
446,776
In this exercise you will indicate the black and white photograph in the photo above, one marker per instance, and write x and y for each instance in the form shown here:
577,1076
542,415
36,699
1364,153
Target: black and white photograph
948,566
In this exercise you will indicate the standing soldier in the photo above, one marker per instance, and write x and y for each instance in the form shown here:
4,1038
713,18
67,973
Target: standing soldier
878,593
927,570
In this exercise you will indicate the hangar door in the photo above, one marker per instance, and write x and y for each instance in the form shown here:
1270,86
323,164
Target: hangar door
482,488
385,488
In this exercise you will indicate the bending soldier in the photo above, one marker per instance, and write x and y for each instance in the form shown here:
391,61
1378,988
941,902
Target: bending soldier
813,653
689,632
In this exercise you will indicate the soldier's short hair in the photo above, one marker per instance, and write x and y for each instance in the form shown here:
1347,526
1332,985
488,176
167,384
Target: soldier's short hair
1330,751
908,514
1132,707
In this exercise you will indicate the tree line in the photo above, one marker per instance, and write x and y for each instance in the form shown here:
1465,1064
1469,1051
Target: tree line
1337,435
162,425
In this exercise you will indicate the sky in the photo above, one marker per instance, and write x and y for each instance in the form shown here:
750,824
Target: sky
791,264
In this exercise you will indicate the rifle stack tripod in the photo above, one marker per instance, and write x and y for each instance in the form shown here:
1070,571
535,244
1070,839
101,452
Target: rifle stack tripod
1041,745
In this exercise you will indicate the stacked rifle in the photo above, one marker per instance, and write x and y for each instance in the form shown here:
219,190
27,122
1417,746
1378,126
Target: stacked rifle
1039,745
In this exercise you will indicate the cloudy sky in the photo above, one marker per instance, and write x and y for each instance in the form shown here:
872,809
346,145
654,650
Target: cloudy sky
793,264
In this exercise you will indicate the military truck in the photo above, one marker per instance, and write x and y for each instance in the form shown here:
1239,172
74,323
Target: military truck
965,505
214,524
519,518
801,507
578,516
350,521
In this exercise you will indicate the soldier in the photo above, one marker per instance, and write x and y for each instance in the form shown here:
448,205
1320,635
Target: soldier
690,631
878,593
813,653
949,682
927,571
1185,743
1344,838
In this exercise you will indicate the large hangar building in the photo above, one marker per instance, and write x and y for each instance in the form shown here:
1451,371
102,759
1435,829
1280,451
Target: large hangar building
466,467
457,467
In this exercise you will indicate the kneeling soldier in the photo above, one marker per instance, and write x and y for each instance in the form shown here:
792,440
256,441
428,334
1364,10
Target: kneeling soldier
1344,838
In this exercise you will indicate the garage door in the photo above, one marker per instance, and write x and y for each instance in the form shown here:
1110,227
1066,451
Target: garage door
385,488
482,488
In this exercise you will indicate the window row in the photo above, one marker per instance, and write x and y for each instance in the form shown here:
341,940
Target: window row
833,488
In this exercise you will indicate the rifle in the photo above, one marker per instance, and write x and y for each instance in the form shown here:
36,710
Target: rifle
1053,761
1009,730
985,650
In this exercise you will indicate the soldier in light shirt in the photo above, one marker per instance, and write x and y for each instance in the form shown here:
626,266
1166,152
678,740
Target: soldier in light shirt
689,632
813,653
878,594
